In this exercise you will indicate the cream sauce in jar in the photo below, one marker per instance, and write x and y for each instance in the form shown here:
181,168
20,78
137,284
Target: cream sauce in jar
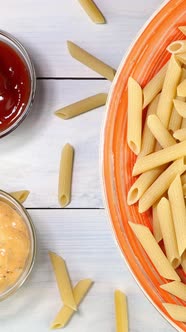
14,245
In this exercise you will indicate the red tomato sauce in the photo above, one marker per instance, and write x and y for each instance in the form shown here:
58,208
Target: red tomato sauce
15,86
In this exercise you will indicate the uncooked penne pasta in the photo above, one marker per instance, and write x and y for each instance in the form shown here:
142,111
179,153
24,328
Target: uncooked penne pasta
134,128
181,58
177,47
148,139
176,288
182,29
92,11
180,134
159,158
176,118
66,313
168,232
161,134
180,107
181,89
177,312
161,184
90,61
82,106
154,86
143,183
154,251
63,281
121,311
176,198
156,224
65,175
168,93
20,195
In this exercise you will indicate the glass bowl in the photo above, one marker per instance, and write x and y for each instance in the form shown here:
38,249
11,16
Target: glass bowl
13,203
23,55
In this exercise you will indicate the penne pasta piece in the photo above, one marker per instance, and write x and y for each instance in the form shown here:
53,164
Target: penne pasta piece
177,312
66,313
183,124
143,183
63,281
161,134
82,106
90,61
154,251
176,118
180,107
168,93
134,128
161,184
121,311
177,47
182,58
148,139
20,195
181,89
182,29
65,175
156,224
159,158
168,232
92,11
175,288
154,86
176,198
180,134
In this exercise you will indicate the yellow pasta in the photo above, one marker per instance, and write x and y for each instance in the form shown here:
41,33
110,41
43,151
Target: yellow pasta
159,131
177,47
181,89
154,86
180,134
66,313
92,11
177,312
148,139
143,183
182,58
159,158
121,312
182,29
180,107
176,288
154,252
20,195
63,281
168,93
90,61
134,128
168,232
176,198
156,224
161,184
82,106
65,175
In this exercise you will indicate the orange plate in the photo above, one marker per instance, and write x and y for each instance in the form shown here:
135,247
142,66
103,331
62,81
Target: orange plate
147,55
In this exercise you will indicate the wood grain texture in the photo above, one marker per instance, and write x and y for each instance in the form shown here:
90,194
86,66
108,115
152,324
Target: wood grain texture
85,240
44,26
30,157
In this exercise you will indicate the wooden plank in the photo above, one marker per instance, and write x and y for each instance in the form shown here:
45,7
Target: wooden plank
30,156
44,26
85,240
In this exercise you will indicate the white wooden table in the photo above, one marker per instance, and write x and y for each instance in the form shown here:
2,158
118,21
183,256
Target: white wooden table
29,158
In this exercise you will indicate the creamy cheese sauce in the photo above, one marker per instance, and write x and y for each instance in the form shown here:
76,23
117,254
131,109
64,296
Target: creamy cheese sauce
14,245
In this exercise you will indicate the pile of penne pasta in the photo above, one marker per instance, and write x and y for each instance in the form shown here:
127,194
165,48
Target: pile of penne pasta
160,147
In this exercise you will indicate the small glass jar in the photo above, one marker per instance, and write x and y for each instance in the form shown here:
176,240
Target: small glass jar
13,203
20,51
